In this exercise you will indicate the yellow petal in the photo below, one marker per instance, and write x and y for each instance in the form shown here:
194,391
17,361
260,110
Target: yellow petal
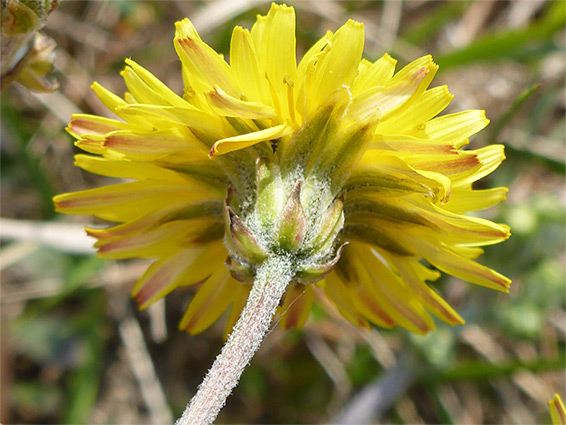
361,299
206,64
186,267
389,174
138,90
387,290
457,265
374,74
126,201
274,40
456,128
385,101
145,82
110,100
245,66
94,125
367,304
305,74
125,169
339,63
423,62
557,411
185,28
341,296
198,169
208,261
390,211
430,299
211,300
167,115
162,239
465,199
489,157
361,229
150,146
463,165
423,108
235,143
116,105
186,211
409,144
165,275
460,229
227,105
92,143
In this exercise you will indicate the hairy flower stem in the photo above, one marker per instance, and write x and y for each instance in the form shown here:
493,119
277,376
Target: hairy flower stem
270,283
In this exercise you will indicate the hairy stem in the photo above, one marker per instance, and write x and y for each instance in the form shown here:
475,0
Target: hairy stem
270,283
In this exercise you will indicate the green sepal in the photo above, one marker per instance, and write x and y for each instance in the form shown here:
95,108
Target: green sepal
243,240
312,273
341,161
241,272
269,192
293,222
312,137
330,225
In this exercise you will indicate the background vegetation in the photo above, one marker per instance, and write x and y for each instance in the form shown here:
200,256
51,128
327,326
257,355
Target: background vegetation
76,350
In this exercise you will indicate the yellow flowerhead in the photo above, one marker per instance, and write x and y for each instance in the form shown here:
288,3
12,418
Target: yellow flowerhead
338,164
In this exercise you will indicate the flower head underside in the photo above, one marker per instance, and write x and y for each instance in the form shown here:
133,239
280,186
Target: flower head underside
338,164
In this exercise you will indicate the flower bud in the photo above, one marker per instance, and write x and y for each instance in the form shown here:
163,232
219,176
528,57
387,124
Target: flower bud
26,55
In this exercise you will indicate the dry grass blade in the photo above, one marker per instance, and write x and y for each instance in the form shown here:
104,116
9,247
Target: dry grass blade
142,366
374,400
66,237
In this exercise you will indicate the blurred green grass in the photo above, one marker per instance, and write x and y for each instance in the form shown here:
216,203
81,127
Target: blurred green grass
62,348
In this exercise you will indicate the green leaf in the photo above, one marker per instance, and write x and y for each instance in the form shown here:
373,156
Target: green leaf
506,45
496,128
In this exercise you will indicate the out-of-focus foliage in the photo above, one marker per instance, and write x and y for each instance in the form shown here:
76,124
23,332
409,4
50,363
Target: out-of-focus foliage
70,348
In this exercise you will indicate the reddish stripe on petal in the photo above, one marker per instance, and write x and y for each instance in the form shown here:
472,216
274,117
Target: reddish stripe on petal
164,272
157,143
124,229
368,301
442,310
85,126
449,261
342,298
424,148
204,61
557,409
413,317
211,300
453,166
431,300
87,201
154,284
